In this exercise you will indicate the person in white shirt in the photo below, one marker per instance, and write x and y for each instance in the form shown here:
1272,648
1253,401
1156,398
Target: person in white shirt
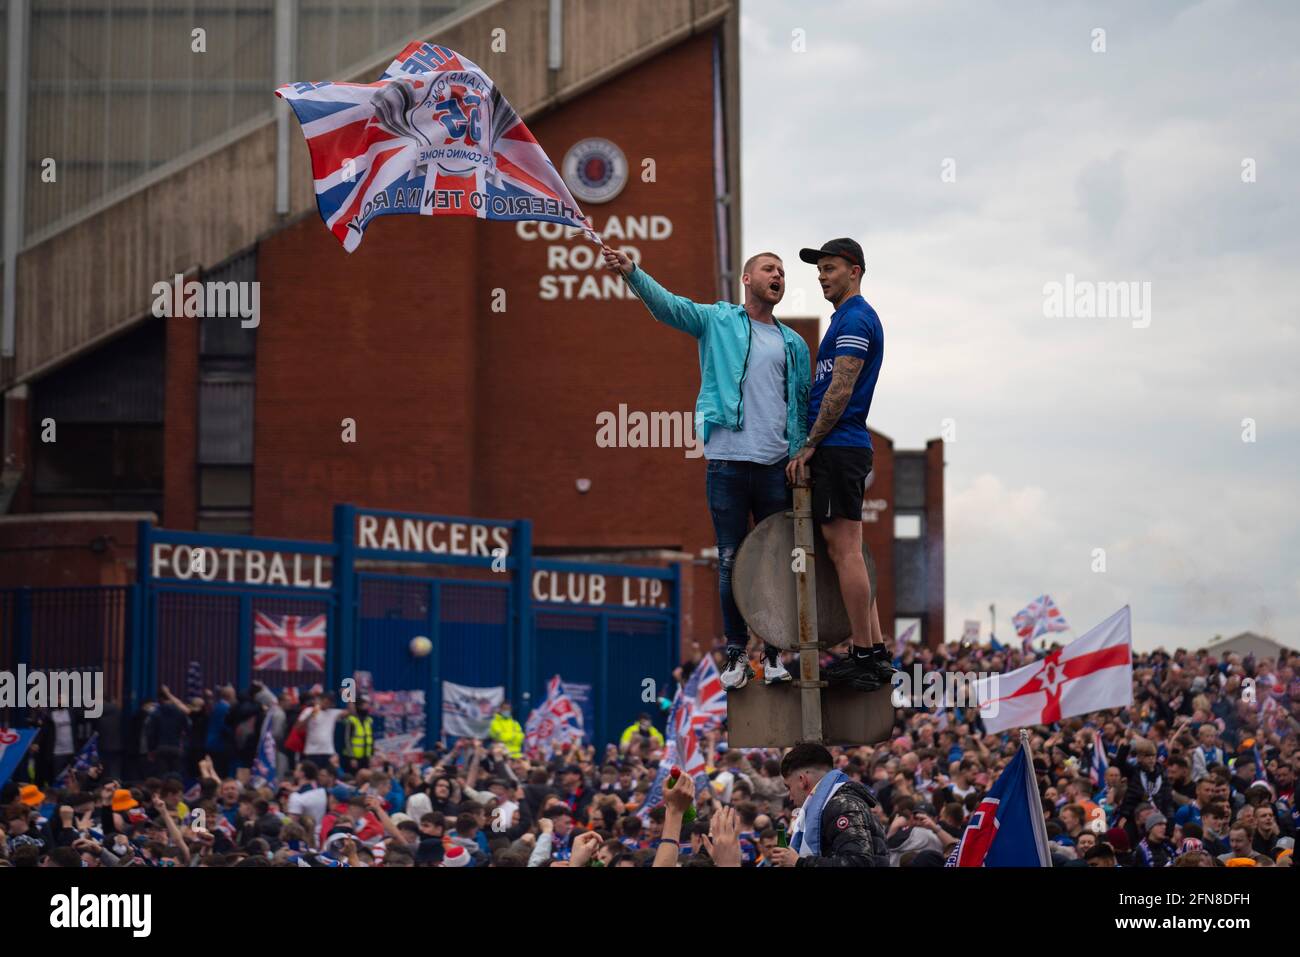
310,798
320,716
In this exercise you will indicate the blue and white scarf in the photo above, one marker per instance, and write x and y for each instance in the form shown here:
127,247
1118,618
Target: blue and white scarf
807,837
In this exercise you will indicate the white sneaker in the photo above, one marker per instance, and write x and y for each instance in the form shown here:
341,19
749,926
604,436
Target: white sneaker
774,672
737,672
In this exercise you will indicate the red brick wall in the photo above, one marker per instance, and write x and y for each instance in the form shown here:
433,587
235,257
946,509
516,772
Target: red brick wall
180,433
384,336
46,550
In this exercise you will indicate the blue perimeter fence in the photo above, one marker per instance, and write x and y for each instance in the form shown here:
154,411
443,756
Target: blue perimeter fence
495,614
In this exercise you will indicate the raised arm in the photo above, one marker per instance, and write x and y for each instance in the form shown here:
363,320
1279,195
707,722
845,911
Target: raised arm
676,311
676,800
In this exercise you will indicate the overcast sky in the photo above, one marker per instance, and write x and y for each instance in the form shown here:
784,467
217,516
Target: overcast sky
1072,434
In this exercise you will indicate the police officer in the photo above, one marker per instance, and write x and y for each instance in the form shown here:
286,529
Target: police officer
359,737
506,730
836,826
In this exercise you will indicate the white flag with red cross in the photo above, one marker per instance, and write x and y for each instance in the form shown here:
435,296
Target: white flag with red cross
1091,673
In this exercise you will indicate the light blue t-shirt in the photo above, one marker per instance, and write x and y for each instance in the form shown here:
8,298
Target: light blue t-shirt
761,437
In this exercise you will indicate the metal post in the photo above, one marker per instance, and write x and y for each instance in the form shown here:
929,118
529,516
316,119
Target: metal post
15,165
810,683
22,643
433,671
520,640
341,643
555,35
286,26
244,664
145,649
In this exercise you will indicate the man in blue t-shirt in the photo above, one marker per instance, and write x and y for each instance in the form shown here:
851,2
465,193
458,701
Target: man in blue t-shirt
838,450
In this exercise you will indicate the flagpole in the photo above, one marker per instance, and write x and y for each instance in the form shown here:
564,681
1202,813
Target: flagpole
1040,819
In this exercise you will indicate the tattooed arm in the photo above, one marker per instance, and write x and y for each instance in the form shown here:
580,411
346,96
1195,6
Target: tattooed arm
844,375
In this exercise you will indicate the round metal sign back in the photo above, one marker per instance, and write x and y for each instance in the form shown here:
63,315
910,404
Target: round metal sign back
763,583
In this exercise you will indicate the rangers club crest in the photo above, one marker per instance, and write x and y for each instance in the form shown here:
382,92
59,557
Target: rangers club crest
595,170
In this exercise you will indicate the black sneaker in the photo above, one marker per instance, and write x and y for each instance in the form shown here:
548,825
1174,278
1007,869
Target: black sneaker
882,668
852,670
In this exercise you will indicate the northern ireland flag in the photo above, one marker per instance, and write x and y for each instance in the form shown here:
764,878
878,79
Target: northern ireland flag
1091,673
1039,617
433,136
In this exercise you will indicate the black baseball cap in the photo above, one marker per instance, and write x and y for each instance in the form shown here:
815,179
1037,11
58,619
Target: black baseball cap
847,248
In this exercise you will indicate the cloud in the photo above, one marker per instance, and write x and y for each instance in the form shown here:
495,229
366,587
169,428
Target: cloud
1073,434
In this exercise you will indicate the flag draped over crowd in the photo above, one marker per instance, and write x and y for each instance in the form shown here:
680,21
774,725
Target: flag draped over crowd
557,721
1007,829
1091,673
13,745
432,136
1039,617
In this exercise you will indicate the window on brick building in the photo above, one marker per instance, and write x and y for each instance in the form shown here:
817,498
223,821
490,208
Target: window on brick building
104,413
226,389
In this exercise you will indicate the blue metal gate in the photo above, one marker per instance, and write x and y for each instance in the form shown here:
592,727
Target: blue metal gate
506,619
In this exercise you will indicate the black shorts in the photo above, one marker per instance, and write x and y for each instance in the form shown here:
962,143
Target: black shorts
839,481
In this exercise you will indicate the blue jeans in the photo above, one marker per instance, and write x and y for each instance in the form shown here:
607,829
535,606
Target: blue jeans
737,491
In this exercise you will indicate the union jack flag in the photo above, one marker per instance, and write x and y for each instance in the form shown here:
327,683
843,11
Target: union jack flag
432,136
288,643
1097,767
703,707
1039,617
555,722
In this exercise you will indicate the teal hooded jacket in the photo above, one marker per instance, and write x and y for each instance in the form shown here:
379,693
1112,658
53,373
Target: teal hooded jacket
723,332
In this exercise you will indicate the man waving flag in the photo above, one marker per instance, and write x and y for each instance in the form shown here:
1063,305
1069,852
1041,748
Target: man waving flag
432,136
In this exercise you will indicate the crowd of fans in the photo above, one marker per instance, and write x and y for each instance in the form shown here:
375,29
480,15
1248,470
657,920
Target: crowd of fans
1199,771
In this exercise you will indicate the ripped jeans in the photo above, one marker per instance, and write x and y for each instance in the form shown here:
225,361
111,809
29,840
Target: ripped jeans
736,491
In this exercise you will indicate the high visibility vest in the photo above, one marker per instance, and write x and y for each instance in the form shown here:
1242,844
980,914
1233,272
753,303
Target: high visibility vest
362,743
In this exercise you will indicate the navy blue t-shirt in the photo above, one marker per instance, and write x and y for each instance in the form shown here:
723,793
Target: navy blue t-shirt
855,330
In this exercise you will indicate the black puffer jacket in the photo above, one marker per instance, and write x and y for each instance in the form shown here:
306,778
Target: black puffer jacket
850,836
